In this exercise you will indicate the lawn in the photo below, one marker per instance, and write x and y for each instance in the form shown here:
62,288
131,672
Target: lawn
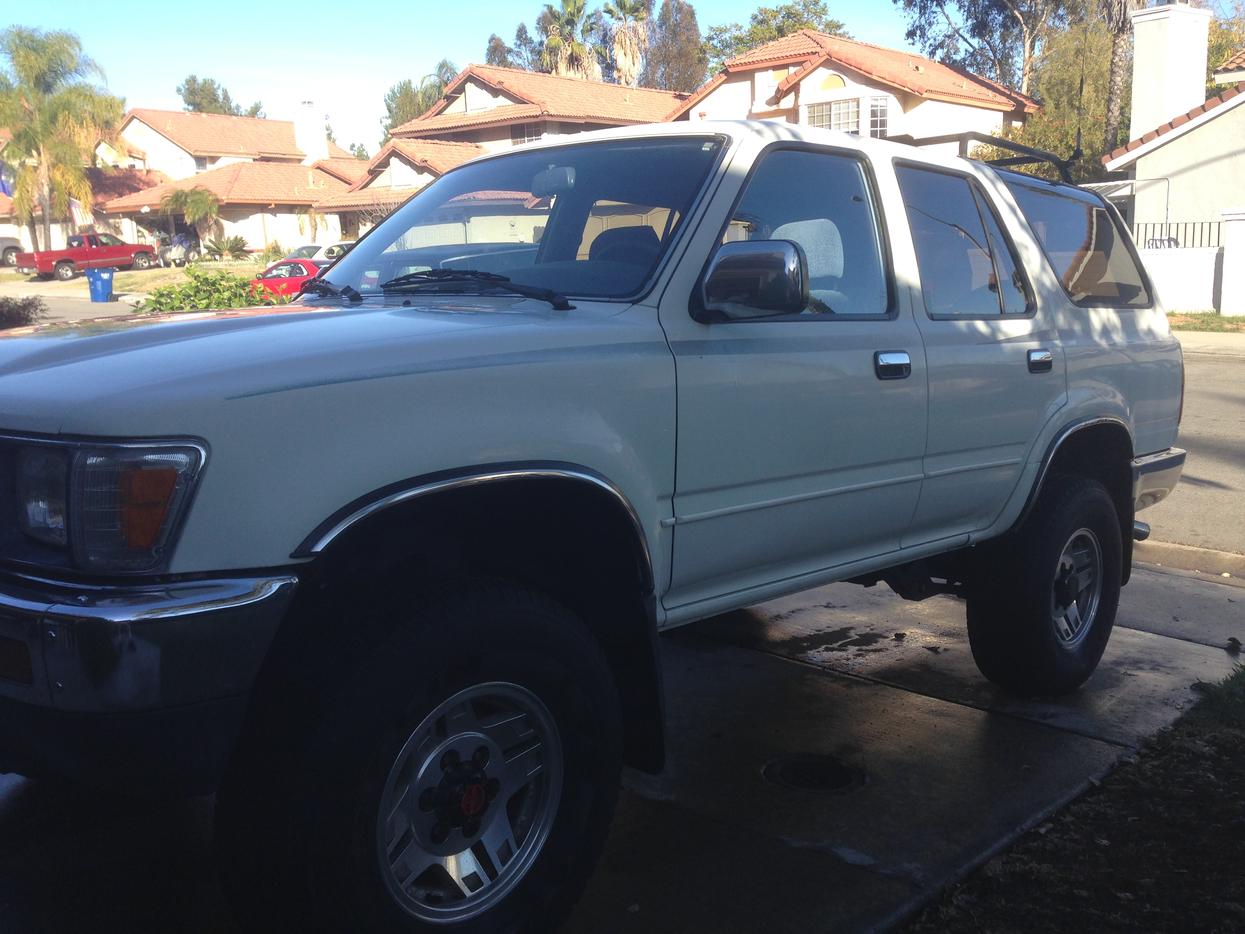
135,280
1158,845
1205,321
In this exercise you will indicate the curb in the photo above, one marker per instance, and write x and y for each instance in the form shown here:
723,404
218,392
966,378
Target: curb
1189,558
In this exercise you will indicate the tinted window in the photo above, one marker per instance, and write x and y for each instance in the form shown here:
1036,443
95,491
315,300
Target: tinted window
822,202
1085,245
966,266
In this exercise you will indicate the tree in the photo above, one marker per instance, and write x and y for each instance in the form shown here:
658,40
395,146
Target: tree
628,37
497,53
199,207
359,151
204,95
1120,26
406,100
676,59
1001,39
572,40
526,53
1227,37
767,24
55,115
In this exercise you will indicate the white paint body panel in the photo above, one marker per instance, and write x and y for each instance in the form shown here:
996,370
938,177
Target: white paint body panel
796,466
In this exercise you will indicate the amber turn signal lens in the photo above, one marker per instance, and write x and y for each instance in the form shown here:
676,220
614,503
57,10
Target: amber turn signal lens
145,497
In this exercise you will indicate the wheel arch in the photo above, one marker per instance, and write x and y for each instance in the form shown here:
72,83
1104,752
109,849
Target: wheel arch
1100,449
560,528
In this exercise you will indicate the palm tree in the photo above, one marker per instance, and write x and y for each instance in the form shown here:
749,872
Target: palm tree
571,40
432,86
55,116
1120,25
629,37
200,208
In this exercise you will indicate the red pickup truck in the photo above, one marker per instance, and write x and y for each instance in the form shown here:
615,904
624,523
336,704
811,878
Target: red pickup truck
85,251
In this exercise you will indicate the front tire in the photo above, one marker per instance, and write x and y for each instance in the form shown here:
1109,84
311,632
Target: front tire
460,779
1041,612
142,260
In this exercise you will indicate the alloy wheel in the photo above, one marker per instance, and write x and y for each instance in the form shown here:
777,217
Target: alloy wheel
1077,587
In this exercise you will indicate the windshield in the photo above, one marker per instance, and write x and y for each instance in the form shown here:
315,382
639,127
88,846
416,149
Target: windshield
590,220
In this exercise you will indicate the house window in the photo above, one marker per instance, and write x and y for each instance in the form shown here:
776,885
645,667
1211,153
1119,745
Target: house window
200,163
877,117
521,133
836,115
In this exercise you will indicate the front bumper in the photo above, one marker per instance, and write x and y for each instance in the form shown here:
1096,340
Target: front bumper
1155,476
81,663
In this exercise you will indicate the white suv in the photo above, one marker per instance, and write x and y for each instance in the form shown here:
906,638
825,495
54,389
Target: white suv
386,565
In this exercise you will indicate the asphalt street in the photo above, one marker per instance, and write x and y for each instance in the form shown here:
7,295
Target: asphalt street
938,771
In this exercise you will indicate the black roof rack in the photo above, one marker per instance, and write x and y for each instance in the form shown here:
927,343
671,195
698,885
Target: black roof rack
1026,155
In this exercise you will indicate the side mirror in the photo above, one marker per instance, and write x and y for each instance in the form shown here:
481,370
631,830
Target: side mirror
754,279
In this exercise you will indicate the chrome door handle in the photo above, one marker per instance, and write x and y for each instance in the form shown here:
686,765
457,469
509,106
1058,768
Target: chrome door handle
892,364
1041,361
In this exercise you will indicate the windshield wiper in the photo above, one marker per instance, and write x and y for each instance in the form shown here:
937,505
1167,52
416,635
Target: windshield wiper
321,287
491,279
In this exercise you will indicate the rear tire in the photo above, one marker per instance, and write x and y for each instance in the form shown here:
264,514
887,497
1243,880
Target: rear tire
64,271
331,808
1042,611
10,256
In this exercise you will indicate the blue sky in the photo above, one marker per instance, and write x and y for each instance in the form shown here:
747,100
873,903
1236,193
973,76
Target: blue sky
342,55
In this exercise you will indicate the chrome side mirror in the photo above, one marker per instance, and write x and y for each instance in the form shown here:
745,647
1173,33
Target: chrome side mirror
753,279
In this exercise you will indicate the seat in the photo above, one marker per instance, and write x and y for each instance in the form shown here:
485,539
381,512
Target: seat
639,246
823,246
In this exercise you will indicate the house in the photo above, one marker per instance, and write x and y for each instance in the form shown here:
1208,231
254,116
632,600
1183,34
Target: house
1184,163
496,108
827,81
401,168
1233,70
268,175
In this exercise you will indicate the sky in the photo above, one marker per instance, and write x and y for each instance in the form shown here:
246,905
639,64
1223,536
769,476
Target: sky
341,56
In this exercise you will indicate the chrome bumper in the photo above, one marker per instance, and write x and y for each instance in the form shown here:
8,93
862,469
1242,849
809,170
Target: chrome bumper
97,649
1155,476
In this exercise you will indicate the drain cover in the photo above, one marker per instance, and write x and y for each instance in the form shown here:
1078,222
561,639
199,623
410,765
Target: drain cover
807,772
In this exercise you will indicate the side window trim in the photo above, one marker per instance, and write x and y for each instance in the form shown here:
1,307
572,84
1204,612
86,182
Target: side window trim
1035,184
875,202
980,198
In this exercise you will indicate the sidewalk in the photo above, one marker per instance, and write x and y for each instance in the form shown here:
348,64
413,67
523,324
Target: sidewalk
1212,342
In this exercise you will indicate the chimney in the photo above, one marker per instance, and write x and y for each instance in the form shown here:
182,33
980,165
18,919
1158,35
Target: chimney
1169,63
310,134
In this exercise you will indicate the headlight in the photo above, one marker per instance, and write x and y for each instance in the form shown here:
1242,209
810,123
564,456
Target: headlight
117,507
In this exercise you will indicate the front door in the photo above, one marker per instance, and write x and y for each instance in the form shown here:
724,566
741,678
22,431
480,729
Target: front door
794,457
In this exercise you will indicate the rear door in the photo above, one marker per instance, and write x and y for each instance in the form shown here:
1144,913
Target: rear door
794,456
996,367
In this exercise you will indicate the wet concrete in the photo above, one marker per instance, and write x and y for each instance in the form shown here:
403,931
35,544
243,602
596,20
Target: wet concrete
951,771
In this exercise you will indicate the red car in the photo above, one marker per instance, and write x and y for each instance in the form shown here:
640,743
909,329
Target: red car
286,277
86,251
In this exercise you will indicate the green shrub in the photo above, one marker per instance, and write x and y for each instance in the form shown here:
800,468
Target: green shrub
272,252
227,247
21,312
209,289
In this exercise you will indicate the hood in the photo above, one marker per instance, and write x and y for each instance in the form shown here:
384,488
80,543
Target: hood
73,377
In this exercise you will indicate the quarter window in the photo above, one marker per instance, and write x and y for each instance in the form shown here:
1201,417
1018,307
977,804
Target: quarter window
967,267
823,202
1085,245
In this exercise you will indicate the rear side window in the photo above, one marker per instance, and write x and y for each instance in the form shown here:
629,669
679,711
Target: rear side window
1085,246
967,266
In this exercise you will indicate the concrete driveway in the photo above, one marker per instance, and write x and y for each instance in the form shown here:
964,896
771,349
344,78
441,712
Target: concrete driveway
938,771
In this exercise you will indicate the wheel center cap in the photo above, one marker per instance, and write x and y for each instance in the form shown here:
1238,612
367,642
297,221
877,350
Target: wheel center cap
473,800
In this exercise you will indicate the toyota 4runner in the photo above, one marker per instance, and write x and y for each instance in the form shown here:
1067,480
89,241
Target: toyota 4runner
385,566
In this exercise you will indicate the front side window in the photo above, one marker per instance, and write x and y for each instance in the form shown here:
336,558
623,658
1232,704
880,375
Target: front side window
109,240
966,265
823,202
589,219
1085,245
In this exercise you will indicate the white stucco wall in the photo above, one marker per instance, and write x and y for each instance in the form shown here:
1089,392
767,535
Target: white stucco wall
282,225
1186,279
1206,168
163,155
399,174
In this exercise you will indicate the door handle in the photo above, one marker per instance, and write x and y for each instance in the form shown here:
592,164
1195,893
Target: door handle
1041,361
892,364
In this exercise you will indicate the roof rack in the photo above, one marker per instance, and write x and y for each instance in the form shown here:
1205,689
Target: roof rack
1027,155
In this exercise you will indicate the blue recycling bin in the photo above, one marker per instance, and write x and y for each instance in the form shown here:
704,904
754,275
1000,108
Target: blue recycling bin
100,283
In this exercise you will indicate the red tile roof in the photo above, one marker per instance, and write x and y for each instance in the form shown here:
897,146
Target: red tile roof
435,156
106,185
336,152
1175,123
542,95
259,183
1235,63
203,134
808,49
348,169
381,198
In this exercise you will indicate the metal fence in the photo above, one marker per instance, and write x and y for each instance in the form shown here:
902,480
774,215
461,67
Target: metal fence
1178,234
